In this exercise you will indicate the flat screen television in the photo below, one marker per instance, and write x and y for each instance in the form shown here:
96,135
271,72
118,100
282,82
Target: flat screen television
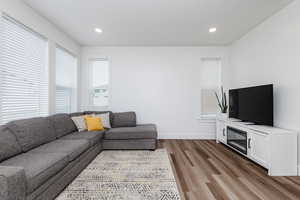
252,104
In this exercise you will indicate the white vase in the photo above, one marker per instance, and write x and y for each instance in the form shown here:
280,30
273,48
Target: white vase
222,116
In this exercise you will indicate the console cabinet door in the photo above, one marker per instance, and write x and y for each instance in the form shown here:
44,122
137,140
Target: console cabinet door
221,131
258,147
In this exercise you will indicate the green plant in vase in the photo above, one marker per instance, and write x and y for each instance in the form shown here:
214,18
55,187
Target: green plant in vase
222,102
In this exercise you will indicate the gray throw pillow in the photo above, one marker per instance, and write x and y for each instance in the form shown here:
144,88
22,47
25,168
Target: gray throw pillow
79,121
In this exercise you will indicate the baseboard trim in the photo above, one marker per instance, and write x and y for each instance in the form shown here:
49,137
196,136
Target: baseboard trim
298,170
187,135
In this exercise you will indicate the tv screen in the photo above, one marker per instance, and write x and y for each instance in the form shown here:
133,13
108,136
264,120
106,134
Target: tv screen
253,104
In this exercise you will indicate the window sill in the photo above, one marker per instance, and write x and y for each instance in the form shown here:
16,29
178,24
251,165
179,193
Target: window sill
211,117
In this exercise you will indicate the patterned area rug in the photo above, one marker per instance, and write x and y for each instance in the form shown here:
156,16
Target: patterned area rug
125,175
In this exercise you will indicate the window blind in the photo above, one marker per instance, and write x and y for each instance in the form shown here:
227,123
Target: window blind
66,82
63,100
23,72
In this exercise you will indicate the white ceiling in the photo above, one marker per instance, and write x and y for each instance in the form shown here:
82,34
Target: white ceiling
156,22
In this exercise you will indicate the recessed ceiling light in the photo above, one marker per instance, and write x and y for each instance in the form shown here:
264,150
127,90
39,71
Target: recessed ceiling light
98,30
212,30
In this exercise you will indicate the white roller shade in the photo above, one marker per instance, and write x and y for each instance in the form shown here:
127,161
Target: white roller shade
66,82
23,72
210,79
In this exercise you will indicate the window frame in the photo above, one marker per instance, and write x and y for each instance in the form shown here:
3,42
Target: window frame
221,60
90,82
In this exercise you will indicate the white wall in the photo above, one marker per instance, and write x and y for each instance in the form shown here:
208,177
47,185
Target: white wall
27,16
160,83
271,54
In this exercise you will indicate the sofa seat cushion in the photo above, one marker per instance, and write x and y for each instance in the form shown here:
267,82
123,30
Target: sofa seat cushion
63,124
93,137
9,146
145,131
32,132
39,167
73,148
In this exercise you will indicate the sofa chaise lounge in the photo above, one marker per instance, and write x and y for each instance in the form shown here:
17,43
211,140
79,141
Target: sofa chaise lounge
39,157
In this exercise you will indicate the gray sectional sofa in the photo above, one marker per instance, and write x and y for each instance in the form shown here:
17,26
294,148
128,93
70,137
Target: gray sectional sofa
39,157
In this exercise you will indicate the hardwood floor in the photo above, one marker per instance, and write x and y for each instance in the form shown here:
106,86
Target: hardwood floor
207,170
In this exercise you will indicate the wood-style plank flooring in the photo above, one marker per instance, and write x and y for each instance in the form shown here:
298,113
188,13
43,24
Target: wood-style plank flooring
207,170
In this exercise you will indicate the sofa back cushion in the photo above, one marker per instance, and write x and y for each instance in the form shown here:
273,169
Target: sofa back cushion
33,132
124,119
76,114
63,124
8,144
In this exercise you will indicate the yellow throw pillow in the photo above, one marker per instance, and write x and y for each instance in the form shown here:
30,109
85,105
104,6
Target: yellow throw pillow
93,123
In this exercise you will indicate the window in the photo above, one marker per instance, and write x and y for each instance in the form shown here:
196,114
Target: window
99,85
209,102
23,72
66,82
210,78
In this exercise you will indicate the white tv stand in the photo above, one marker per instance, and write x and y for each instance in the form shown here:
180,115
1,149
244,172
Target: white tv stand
273,148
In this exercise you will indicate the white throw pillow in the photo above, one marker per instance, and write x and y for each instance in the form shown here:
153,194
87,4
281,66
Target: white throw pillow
79,121
105,119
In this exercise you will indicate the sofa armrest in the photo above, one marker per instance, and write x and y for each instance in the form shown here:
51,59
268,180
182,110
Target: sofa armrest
12,183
